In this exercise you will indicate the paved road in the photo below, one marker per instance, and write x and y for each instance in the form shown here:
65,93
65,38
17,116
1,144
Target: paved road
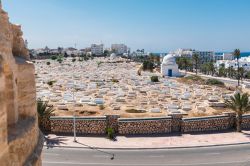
233,82
213,156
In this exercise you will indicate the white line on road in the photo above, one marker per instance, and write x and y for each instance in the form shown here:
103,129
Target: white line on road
52,154
145,164
160,156
212,153
101,156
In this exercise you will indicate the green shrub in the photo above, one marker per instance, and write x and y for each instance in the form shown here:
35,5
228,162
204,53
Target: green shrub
99,63
73,60
115,80
59,60
154,79
135,111
214,82
48,63
110,133
101,107
53,57
194,78
50,83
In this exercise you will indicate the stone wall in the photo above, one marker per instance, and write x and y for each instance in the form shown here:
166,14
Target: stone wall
127,126
246,122
144,125
19,132
85,125
214,123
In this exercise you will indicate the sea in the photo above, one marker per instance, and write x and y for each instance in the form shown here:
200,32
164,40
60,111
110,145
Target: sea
242,54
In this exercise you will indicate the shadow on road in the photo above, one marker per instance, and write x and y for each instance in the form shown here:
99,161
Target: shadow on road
55,141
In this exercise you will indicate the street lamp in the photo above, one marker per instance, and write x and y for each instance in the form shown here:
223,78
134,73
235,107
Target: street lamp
74,119
74,127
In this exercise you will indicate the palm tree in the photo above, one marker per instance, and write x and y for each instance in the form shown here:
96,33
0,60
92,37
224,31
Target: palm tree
237,56
240,104
44,112
196,60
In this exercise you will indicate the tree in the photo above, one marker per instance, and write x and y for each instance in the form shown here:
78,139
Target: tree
148,65
106,53
240,104
44,112
231,72
237,56
242,72
248,75
211,68
196,61
186,63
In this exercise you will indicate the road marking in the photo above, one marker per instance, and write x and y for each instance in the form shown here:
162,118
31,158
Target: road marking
52,154
146,164
101,156
212,153
158,156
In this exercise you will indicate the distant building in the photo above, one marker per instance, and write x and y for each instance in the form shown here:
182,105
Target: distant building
205,56
243,62
228,56
97,49
223,56
119,49
218,56
71,51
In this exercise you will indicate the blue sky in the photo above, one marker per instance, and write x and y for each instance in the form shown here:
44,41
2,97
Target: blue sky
156,25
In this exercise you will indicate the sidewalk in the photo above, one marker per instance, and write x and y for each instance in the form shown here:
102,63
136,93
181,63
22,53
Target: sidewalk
148,142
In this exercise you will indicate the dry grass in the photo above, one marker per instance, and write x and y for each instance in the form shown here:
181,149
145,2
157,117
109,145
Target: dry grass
197,114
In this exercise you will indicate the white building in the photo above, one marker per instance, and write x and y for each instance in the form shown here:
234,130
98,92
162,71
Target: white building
228,56
243,62
97,49
71,51
119,49
223,56
205,56
169,67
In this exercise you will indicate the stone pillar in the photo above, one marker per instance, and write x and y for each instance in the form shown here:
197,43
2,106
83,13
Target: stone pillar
112,122
231,120
176,122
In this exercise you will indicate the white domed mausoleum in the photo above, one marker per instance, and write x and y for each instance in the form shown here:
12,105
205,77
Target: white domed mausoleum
113,56
169,67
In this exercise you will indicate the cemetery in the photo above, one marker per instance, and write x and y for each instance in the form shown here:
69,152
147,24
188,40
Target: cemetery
107,86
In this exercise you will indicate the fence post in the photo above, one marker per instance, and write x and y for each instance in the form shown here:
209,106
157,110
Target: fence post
176,122
112,122
231,120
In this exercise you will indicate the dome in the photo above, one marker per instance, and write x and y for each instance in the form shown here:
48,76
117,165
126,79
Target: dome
113,55
169,58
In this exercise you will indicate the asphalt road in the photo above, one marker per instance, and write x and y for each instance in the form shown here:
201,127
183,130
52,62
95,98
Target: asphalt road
214,156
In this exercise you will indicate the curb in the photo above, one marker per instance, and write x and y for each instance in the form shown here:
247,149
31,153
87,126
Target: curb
176,147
